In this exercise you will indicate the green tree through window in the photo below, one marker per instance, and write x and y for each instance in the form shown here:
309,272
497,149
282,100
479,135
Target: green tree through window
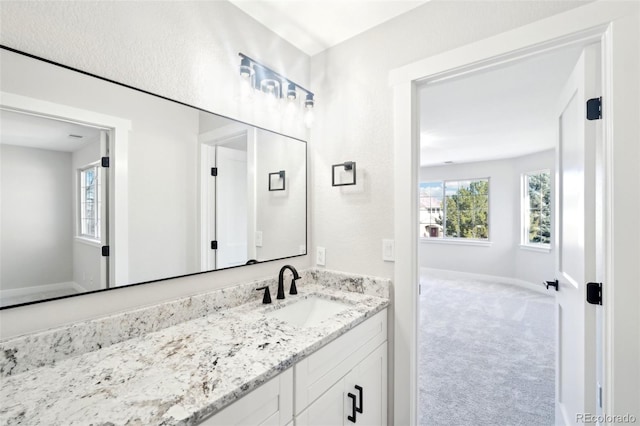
464,212
538,208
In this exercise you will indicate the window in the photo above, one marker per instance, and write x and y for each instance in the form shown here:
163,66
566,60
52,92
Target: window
89,197
455,209
536,217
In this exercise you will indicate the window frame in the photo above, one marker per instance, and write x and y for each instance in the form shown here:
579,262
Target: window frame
460,240
81,235
525,210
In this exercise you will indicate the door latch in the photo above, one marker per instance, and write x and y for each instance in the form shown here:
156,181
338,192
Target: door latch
553,283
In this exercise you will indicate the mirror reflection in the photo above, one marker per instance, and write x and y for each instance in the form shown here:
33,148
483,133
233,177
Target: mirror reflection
103,186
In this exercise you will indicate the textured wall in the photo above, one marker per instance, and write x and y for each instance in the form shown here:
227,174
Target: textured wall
186,51
355,114
504,257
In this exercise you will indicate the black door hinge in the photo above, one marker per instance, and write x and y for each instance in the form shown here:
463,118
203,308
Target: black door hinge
594,109
104,161
594,293
105,251
214,171
214,245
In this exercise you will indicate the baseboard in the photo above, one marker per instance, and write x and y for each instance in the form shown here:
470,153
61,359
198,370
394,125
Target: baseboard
446,273
26,291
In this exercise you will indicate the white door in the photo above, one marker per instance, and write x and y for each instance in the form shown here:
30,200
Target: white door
575,243
231,202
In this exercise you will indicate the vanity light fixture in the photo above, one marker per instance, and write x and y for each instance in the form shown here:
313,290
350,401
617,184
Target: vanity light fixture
348,166
274,86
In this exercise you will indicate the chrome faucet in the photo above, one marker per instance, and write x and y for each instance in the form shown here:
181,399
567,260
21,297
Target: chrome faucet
293,289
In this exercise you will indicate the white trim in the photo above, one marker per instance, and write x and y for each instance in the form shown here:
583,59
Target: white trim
118,178
87,241
456,241
26,291
620,111
541,248
449,274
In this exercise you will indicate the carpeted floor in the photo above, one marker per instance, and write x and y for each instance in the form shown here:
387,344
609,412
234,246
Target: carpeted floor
487,354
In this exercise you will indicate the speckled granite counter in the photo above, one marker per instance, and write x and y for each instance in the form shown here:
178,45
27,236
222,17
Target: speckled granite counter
178,374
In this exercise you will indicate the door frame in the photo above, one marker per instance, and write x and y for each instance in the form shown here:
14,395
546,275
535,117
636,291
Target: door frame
616,25
118,185
206,144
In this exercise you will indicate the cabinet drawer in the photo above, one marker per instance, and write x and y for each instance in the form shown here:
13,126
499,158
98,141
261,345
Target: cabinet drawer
271,404
315,374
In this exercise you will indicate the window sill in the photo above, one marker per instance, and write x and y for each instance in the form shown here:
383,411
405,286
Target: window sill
536,248
460,242
88,241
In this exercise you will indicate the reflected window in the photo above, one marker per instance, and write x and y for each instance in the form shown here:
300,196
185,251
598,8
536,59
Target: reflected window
90,202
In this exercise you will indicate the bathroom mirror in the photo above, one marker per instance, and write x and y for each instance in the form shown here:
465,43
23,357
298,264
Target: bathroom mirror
103,186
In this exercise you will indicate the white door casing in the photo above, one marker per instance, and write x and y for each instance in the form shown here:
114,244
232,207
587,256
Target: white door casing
575,242
617,24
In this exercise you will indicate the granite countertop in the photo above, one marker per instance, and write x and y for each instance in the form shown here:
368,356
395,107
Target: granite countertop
178,375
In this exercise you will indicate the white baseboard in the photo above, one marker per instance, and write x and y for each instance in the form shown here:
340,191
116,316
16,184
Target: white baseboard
445,273
26,291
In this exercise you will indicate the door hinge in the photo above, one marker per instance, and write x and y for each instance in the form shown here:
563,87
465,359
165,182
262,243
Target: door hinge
594,109
105,251
104,161
214,171
214,245
594,293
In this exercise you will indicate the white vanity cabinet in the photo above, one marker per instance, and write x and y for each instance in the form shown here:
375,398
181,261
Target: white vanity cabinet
358,398
345,382
271,405
322,387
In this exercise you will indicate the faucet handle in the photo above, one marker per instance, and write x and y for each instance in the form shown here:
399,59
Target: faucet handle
293,289
267,294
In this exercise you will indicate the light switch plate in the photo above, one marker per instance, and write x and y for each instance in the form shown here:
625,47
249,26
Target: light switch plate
320,255
388,250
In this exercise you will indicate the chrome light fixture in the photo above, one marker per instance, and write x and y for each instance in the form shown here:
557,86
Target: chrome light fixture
273,86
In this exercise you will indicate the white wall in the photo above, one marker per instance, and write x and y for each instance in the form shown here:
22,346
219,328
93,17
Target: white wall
186,51
354,110
531,266
37,217
503,257
277,210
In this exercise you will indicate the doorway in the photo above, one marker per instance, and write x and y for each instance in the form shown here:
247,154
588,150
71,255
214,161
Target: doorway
55,198
592,22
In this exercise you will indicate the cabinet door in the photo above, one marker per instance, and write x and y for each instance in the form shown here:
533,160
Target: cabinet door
367,383
270,405
328,409
335,407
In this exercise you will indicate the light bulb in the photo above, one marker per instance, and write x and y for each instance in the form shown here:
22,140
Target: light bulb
309,118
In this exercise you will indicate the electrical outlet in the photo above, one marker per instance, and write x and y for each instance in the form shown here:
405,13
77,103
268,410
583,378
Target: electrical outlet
258,238
388,250
320,255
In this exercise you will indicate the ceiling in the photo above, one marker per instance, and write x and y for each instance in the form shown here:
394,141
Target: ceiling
499,113
315,25
33,131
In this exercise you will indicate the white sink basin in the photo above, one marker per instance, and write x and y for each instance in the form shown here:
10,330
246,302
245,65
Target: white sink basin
308,312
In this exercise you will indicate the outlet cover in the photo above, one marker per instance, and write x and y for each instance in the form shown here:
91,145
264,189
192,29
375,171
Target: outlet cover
258,238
